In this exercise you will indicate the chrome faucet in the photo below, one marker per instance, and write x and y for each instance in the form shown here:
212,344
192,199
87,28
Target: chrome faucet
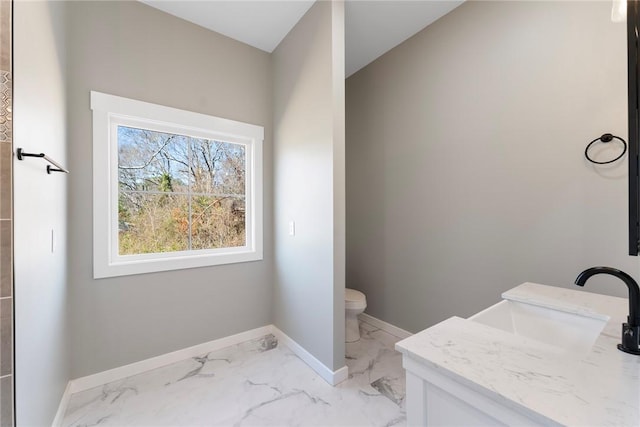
630,329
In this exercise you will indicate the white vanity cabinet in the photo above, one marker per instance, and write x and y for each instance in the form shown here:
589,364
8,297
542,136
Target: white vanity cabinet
434,399
466,372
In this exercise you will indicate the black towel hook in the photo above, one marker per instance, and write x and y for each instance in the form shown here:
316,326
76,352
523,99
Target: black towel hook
607,137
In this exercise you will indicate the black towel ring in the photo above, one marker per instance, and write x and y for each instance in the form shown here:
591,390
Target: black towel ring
607,137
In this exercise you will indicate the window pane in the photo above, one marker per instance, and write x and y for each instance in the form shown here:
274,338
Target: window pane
152,223
154,167
152,161
218,167
217,222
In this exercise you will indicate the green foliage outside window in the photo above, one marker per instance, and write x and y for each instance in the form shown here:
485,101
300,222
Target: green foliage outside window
179,193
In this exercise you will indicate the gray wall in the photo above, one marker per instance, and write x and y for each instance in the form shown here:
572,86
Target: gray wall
132,50
308,99
465,166
40,202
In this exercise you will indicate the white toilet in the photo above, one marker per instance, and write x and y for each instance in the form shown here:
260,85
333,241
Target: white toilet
354,303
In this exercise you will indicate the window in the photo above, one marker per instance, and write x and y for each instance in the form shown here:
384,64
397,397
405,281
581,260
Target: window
172,189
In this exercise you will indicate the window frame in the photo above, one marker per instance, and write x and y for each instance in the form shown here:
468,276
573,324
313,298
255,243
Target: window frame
109,112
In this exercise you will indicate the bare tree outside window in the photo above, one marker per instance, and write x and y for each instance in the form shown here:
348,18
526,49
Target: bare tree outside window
178,193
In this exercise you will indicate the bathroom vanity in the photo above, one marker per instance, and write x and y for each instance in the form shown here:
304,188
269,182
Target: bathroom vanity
542,356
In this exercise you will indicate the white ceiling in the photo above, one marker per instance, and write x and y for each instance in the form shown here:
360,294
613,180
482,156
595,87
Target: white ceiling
372,27
259,23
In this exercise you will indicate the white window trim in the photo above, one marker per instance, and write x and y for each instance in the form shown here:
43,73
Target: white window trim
109,111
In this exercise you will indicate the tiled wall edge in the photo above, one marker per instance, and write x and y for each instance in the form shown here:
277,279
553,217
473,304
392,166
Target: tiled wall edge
7,403
387,327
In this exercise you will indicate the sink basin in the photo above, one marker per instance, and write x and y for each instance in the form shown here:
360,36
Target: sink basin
568,332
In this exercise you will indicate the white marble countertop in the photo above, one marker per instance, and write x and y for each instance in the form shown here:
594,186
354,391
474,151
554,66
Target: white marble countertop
599,388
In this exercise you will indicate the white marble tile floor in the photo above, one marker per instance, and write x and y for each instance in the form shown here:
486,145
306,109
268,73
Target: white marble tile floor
257,383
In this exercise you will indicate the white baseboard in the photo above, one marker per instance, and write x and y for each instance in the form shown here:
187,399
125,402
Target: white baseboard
332,377
387,327
62,407
101,378
105,377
